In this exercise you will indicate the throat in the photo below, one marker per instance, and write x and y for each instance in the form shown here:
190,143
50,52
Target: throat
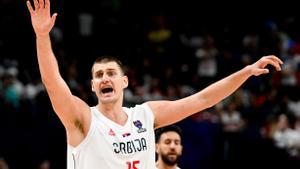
119,117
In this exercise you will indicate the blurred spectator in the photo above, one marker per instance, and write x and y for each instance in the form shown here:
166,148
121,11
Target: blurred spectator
207,63
11,90
231,118
45,164
284,136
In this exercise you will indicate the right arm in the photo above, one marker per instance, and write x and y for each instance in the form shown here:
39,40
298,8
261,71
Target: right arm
71,110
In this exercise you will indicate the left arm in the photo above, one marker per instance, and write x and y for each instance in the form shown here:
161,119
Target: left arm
168,112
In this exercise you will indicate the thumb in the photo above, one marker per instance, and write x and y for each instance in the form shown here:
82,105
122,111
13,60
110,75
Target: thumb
261,71
53,18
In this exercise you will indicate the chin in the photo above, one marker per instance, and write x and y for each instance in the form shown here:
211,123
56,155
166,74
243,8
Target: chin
108,100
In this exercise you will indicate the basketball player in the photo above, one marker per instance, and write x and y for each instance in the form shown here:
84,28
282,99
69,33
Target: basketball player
168,147
109,135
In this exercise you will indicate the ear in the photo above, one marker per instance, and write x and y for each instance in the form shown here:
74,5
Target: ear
181,148
92,86
125,81
156,148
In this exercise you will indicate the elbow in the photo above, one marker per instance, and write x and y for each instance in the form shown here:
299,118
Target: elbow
45,81
207,103
46,84
49,82
49,76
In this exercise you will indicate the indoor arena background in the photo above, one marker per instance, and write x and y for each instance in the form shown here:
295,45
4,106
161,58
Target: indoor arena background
171,50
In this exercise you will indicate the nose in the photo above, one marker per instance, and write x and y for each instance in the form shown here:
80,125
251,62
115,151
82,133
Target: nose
172,145
105,78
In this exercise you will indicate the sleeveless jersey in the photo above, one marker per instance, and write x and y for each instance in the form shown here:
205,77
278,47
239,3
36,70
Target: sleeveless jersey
109,145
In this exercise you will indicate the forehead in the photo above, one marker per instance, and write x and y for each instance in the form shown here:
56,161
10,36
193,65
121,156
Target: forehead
106,66
172,135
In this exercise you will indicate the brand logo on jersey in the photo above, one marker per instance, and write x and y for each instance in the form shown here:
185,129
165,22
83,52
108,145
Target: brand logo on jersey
126,134
139,125
111,133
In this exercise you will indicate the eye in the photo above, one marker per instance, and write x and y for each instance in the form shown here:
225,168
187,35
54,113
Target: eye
99,74
111,73
168,141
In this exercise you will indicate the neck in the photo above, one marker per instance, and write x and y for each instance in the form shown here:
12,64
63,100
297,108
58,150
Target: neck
113,112
162,165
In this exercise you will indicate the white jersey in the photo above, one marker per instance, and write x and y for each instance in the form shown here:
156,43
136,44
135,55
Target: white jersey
109,145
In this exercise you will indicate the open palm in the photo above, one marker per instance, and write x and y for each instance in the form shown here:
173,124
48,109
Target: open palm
41,19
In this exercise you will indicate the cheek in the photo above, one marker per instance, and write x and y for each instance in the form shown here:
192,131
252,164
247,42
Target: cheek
95,84
165,148
161,149
118,84
179,149
96,80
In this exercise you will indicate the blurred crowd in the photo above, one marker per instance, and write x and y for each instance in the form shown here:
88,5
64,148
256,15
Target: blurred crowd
168,55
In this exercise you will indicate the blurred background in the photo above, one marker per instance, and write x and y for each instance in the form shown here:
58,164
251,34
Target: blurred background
171,50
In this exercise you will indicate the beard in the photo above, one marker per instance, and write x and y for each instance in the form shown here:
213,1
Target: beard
170,160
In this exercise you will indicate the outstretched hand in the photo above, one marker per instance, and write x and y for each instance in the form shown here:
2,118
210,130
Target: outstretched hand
259,67
41,19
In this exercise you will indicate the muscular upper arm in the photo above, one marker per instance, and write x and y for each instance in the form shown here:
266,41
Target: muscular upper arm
70,109
168,112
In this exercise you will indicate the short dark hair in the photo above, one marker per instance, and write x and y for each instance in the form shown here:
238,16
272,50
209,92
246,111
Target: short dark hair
160,131
106,59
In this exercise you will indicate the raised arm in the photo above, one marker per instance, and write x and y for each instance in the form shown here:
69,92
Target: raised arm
167,112
69,108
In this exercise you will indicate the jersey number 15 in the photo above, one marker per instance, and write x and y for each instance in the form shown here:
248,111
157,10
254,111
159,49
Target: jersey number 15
133,164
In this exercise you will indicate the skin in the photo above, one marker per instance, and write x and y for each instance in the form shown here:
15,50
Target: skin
169,149
75,113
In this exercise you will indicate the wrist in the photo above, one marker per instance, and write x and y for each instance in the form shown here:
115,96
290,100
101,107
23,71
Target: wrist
248,70
43,37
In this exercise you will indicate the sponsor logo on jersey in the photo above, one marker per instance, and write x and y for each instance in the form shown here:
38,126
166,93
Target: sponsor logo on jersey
139,125
129,147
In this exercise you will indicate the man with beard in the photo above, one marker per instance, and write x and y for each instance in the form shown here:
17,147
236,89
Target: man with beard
168,147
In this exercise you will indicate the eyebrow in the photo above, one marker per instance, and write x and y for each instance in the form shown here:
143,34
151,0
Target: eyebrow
109,69
169,139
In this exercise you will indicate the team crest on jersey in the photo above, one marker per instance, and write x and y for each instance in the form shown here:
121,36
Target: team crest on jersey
139,125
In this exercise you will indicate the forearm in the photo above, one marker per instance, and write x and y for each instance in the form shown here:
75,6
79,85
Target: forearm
223,88
47,62
167,112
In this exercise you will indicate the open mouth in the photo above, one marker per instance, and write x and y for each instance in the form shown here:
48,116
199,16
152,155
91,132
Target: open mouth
106,90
